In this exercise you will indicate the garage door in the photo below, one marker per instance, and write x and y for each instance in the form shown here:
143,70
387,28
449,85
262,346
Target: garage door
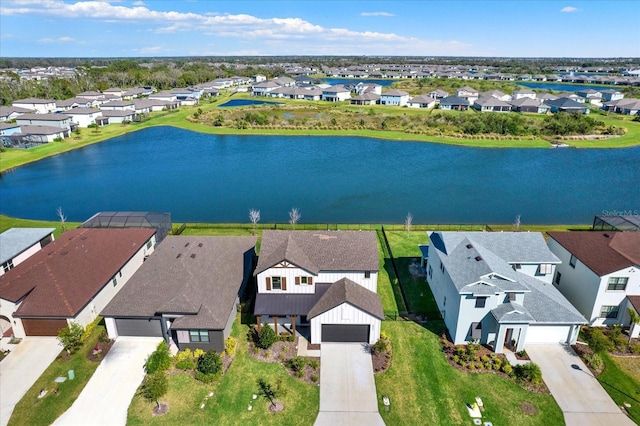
345,333
43,327
139,327
548,334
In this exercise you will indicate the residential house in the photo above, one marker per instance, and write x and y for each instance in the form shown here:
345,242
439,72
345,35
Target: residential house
8,113
529,105
285,81
67,104
422,101
491,104
496,94
523,93
438,94
83,117
40,134
264,87
60,121
591,96
73,279
145,106
336,93
454,103
92,95
7,129
41,106
394,98
362,88
628,106
468,93
114,91
369,98
325,281
187,292
259,78
118,106
495,287
164,96
18,244
567,105
611,95
116,116
600,273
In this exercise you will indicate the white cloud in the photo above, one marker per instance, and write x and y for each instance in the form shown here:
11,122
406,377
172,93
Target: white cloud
569,9
53,40
66,39
138,3
377,14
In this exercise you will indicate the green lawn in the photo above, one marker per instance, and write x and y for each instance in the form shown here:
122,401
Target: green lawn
31,411
7,222
232,396
425,390
405,244
622,387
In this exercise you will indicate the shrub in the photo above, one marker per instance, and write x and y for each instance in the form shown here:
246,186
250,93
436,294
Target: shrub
635,349
206,378
87,331
507,369
230,346
485,358
595,361
71,337
497,364
266,337
597,341
198,353
314,378
313,363
159,360
382,345
529,373
296,363
104,336
209,363
184,360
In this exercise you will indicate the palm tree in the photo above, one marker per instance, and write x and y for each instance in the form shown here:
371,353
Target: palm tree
635,319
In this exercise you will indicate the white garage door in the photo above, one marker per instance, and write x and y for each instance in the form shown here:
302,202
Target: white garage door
548,333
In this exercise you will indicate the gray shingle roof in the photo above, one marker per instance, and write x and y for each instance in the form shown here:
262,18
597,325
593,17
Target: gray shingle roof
198,276
347,291
16,240
512,312
288,303
317,251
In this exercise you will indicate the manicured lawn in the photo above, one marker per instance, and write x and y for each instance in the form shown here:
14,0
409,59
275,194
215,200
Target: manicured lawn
405,244
622,386
628,364
425,390
7,222
232,396
31,411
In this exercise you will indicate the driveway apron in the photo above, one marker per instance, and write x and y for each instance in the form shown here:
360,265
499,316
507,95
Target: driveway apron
347,388
21,368
105,399
580,396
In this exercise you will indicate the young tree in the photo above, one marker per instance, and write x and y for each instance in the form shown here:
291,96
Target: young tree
516,224
294,216
408,221
635,320
71,336
62,216
254,217
269,392
155,387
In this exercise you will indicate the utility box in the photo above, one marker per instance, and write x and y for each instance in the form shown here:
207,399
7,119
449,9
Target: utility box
72,374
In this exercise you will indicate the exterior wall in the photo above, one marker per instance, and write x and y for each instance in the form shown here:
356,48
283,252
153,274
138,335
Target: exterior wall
63,124
394,100
445,294
468,314
112,330
40,108
84,120
344,314
25,255
533,270
323,277
216,341
616,297
9,131
108,291
7,308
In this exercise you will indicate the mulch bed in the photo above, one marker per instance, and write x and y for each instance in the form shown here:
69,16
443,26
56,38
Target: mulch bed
528,408
281,352
161,409
276,407
99,351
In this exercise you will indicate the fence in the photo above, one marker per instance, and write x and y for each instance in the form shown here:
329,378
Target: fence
339,226
389,253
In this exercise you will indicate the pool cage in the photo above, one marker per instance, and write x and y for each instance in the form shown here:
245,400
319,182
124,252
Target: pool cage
159,221
616,223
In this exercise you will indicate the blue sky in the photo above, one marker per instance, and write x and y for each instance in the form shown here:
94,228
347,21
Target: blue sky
552,28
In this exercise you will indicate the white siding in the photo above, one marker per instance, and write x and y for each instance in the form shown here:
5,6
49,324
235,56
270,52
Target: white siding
547,334
345,314
442,288
112,330
24,255
328,277
616,297
7,309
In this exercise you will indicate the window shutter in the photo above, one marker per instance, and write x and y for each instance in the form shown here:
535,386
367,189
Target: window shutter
297,280
310,280
284,283
268,283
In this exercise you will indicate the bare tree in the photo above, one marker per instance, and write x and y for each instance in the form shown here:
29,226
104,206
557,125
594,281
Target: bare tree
294,216
516,224
254,216
408,221
62,216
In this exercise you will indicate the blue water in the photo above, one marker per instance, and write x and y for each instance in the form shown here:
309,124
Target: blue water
246,102
382,82
218,178
561,87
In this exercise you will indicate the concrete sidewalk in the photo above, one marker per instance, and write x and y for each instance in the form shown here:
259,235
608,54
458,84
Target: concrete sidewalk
105,399
21,368
347,388
580,396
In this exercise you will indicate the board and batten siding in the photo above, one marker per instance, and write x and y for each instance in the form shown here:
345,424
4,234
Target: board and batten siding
345,314
291,273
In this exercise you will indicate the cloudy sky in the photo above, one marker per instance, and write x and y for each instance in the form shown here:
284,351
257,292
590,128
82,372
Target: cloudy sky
551,28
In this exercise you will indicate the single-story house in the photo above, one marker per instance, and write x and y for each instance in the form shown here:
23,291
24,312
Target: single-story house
529,105
491,104
41,106
7,129
611,95
369,98
18,244
523,93
118,106
186,292
42,134
599,274
164,96
496,94
72,279
324,281
394,98
495,288
67,104
8,113
61,121
454,103
567,105
91,94
438,94
116,116
422,101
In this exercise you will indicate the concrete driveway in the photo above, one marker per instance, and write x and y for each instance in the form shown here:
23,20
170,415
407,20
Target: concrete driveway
105,399
21,368
347,388
580,396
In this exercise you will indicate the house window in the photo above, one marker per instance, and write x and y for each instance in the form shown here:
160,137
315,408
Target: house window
304,280
556,281
276,283
512,297
617,283
609,311
445,301
114,281
572,261
7,265
442,267
517,266
476,330
545,268
199,335
430,271
149,244
367,274
481,302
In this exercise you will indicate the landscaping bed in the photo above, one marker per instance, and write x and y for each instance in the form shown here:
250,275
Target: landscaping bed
382,354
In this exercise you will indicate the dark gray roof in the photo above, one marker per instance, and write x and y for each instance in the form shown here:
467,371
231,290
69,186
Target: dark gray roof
490,101
422,99
454,100
317,251
43,117
288,304
81,110
347,291
395,92
16,240
199,276
117,112
565,103
39,130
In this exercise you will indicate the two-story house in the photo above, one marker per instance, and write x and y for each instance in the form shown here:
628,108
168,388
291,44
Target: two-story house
468,93
394,98
323,280
600,273
496,288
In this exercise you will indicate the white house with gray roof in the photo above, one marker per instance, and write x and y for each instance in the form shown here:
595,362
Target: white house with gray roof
496,288
321,281
18,244
394,98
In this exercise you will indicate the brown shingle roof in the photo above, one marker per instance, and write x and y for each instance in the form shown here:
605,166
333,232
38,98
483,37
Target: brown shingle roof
635,302
602,252
317,251
59,280
347,291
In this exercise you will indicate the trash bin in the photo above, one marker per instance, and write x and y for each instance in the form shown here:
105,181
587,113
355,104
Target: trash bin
72,374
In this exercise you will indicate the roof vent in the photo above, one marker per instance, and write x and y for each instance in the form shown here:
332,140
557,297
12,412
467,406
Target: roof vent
193,255
63,252
607,236
469,246
186,245
199,244
478,258
178,256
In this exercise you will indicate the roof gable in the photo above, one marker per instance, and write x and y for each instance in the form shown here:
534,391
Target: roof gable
347,291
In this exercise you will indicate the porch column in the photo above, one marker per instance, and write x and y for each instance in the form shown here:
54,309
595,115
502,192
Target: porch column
259,326
522,338
293,325
275,324
502,330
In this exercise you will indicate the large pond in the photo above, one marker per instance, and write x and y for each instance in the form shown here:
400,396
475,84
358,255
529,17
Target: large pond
561,87
218,178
